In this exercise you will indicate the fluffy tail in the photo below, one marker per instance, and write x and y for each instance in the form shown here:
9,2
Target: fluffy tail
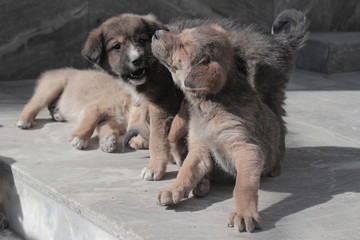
292,27
142,129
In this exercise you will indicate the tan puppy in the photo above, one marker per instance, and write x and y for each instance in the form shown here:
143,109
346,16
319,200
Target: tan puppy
228,119
90,98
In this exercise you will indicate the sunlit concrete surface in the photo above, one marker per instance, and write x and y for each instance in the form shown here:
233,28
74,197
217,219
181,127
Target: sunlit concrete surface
52,191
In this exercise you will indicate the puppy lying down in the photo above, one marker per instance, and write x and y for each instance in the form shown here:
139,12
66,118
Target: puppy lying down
93,100
229,120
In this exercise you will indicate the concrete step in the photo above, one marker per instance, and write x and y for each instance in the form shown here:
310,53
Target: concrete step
331,52
51,191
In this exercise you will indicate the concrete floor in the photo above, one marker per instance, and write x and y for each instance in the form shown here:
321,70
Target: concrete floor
101,194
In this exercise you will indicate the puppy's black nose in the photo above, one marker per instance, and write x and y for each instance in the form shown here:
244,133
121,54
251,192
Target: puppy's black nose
156,35
137,61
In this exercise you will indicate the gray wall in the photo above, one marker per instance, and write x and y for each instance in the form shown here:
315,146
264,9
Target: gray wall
36,35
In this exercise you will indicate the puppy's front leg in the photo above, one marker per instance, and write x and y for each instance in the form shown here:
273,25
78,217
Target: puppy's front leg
109,132
178,130
90,117
248,162
196,165
160,122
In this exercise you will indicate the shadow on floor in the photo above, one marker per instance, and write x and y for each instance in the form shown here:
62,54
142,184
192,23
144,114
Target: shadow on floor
312,176
40,123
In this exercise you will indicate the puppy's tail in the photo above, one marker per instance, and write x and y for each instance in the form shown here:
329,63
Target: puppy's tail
141,129
291,27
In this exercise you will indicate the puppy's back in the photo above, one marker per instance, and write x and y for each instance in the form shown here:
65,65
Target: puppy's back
86,87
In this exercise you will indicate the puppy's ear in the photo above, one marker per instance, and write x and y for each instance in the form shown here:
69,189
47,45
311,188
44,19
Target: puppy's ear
206,76
152,24
218,28
94,46
150,17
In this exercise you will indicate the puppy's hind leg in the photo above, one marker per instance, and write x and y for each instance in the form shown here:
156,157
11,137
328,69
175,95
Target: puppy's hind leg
275,168
109,132
55,111
46,92
202,188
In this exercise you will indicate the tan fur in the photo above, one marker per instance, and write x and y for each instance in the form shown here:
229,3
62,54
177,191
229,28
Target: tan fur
139,114
92,99
228,120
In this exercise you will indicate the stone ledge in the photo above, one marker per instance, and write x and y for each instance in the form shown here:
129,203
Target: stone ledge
56,192
333,52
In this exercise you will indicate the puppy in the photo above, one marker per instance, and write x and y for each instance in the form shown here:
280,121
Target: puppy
91,98
269,60
122,47
230,119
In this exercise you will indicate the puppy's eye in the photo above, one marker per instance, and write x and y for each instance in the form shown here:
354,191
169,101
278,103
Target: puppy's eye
205,60
181,45
117,46
142,41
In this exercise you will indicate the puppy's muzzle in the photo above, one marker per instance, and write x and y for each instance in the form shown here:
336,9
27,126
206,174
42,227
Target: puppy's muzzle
163,35
156,35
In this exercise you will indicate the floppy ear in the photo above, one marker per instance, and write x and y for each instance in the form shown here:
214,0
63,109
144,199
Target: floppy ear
93,47
152,24
208,77
218,28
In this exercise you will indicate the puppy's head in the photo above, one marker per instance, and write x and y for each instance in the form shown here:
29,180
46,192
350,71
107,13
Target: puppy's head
121,46
199,59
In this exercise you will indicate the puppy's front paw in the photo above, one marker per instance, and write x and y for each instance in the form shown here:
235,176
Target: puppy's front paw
202,188
172,195
23,124
246,221
78,143
108,143
151,175
58,117
138,142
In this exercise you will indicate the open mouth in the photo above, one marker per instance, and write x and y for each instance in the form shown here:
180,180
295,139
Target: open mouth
137,74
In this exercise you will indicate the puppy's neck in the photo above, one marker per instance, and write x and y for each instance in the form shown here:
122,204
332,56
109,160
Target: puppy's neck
160,89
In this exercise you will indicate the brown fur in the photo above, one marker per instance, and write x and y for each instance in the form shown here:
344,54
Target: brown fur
178,133
227,119
121,46
92,99
266,59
